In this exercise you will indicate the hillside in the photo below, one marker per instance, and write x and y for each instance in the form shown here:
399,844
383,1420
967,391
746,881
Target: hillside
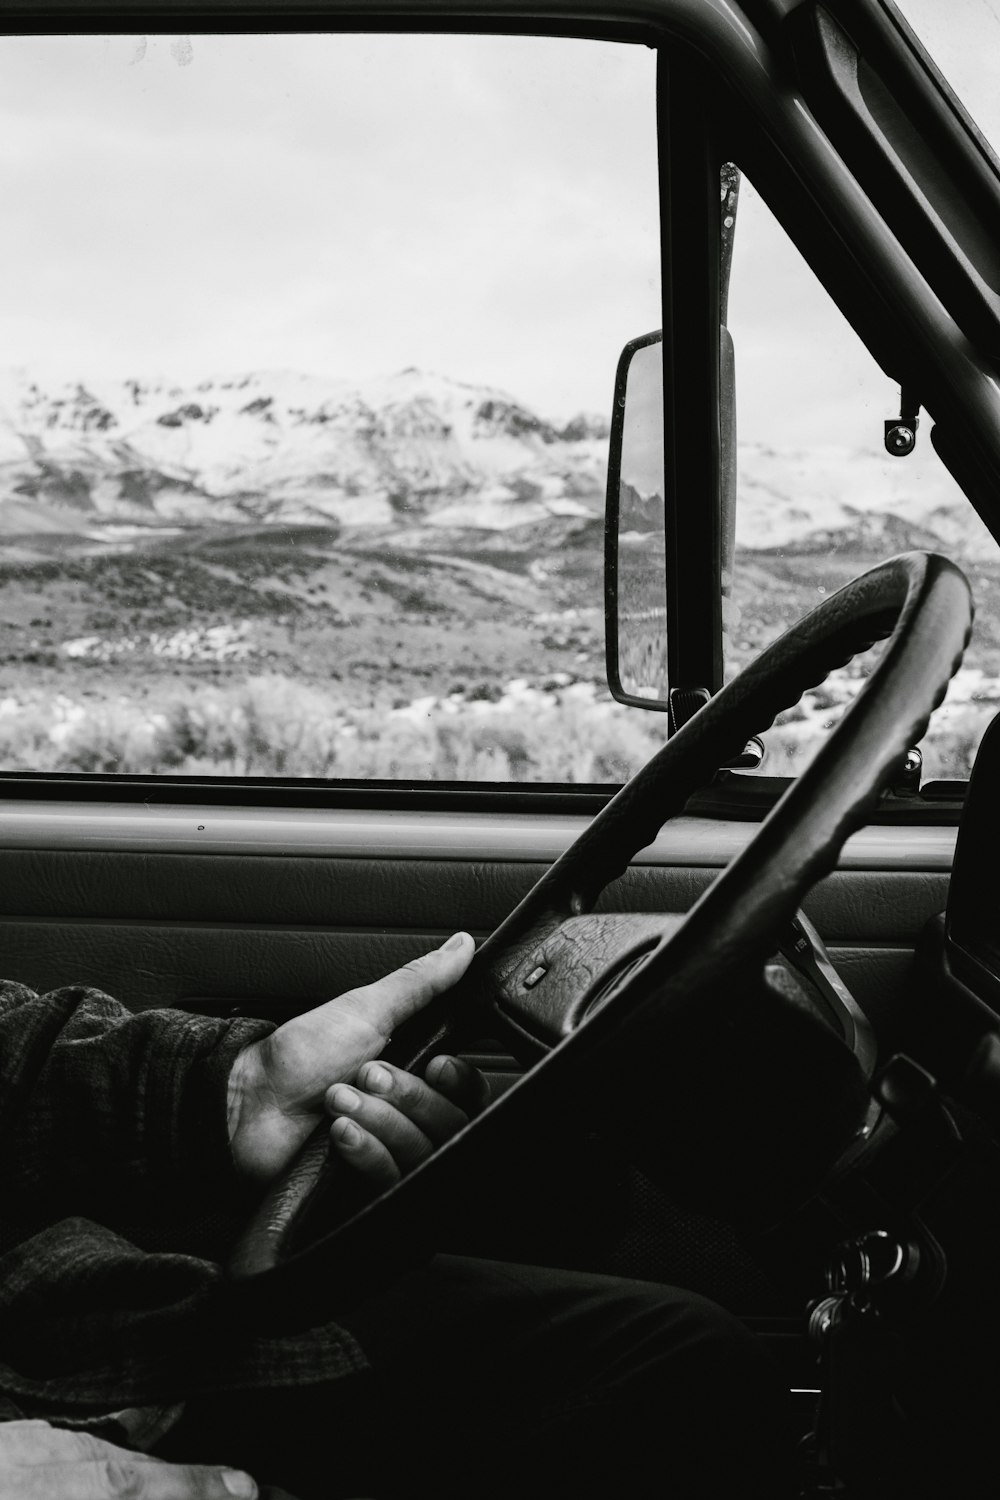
84,460
88,460
279,574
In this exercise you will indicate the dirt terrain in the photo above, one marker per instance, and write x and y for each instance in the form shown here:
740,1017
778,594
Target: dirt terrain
283,575
365,610
399,650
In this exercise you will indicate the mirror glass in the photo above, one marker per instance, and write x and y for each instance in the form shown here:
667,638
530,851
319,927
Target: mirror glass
642,613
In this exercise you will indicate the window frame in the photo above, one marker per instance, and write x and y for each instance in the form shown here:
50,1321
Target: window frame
405,793
729,88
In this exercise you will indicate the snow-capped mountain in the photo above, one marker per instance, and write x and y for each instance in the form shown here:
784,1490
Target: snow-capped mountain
288,447
840,499
837,499
416,449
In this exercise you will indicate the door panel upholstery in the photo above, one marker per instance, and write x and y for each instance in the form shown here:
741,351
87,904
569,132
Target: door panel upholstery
265,922
273,931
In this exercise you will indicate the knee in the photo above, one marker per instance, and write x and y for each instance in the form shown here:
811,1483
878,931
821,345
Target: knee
725,1395
690,1330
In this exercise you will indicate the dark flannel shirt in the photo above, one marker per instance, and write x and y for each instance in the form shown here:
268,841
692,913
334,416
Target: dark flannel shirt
119,1201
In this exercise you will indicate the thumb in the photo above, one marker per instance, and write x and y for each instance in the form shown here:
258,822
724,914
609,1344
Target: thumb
389,1002
278,1082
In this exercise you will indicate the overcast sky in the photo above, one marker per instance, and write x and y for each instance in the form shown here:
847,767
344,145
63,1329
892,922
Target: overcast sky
481,207
804,378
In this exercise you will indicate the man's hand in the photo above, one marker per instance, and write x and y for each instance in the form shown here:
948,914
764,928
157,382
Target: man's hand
282,1086
389,1121
39,1462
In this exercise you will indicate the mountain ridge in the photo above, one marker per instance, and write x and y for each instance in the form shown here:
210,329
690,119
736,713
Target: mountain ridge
86,460
291,448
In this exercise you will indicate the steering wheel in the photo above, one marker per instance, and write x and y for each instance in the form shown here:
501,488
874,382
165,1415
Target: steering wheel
743,1095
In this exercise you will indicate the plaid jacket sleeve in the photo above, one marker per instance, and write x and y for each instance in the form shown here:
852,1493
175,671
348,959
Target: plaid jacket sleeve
116,1116
120,1199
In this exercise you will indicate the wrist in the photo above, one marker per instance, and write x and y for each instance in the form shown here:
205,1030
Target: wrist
245,1103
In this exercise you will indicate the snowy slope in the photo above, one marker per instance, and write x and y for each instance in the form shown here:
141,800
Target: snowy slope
825,499
289,447
411,448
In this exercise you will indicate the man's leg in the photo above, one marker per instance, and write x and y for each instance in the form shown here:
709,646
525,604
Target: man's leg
495,1380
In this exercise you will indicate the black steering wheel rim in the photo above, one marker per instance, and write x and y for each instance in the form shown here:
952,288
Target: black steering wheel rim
921,602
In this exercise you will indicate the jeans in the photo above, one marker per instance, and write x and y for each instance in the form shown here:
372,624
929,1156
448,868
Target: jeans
494,1381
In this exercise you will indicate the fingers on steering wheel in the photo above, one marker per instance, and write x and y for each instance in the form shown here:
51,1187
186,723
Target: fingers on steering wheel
460,1082
364,1152
404,1116
434,1111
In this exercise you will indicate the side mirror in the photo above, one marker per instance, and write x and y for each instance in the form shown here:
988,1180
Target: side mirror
635,572
637,568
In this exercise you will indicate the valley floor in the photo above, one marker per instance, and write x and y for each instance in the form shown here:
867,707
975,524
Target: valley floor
310,653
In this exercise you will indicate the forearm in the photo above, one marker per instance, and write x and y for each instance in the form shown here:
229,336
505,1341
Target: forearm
123,1117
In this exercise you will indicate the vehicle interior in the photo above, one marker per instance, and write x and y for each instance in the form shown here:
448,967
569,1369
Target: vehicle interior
682,712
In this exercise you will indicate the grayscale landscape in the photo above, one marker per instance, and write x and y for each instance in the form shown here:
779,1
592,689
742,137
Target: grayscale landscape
273,574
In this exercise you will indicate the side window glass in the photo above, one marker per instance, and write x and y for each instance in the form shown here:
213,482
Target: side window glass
303,447
819,499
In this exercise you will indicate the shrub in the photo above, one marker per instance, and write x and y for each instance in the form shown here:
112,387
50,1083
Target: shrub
269,725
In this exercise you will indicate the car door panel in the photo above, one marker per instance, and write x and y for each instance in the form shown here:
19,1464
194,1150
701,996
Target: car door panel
272,932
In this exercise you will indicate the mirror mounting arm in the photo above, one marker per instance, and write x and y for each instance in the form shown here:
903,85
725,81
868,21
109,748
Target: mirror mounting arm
901,432
683,704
